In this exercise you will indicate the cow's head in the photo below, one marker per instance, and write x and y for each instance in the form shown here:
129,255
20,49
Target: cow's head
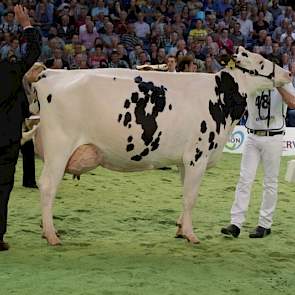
257,65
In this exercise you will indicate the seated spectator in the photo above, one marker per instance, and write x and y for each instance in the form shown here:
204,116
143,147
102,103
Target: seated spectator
142,28
180,47
133,11
186,64
122,52
237,37
260,38
289,32
80,62
287,44
130,40
82,17
197,51
260,24
178,26
292,54
246,25
279,31
65,31
142,59
285,61
211,65
116,62
199,33
266,49
149,11
88,37
9,24
276,54
161,56
44,16
12,48
96,56
115,11
109,38
99,7
224,41
70,48
153,53
122,24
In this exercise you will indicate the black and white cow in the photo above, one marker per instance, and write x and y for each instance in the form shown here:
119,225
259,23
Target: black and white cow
144,120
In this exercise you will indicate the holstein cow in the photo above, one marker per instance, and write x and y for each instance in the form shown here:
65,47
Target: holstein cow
133,121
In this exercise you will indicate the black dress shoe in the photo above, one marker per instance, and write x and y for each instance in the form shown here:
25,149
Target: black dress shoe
231,230
259,232
3,246
30,185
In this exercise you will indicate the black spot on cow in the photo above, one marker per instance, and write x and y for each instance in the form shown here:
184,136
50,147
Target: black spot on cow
129,126
136,158
156,97
233,104
130,138
192,163
200,139
262,67
145,152
203,127
216,145
170,107
198,154
127,104
130,147
114,78
155,143
245,54
211,136
211,140
49,98
134,97
127,119
120,117
137,79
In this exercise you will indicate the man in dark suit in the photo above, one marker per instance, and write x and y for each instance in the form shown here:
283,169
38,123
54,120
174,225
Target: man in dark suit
13,110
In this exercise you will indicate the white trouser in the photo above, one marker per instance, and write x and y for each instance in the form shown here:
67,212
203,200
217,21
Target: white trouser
269,150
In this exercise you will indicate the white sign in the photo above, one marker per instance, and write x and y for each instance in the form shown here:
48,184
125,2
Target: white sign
236,141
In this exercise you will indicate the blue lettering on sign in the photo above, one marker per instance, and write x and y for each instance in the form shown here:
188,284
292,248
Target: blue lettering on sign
235,141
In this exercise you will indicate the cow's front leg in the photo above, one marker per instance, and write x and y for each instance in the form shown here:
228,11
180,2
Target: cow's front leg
192,180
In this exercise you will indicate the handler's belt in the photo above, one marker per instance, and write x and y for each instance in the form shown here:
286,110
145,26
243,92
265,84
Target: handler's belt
265,132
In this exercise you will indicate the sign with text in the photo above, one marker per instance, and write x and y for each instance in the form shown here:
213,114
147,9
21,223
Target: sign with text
237,139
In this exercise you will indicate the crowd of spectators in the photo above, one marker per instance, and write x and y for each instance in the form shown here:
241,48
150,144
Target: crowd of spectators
97,34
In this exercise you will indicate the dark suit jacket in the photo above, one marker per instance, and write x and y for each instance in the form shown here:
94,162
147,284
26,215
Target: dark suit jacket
13,102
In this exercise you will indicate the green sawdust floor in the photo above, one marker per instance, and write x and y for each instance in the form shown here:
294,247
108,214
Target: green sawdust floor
118,238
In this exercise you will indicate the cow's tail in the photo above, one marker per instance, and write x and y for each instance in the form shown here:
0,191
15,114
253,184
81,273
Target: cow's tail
31,76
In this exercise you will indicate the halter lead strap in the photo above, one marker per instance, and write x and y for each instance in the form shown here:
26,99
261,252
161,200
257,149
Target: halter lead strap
255,72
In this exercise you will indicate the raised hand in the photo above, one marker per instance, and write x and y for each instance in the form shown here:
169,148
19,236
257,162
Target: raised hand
21,15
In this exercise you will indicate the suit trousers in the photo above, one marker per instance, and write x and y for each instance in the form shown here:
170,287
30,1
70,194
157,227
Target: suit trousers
28,153
268,150
8,159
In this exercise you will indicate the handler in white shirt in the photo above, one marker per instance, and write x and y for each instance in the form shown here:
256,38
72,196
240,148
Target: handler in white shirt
266,128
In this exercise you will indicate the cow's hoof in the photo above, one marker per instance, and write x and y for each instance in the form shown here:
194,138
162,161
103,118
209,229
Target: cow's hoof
53,241
192,239
179,234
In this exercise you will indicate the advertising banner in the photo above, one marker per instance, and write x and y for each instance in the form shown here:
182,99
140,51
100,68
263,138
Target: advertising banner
237,139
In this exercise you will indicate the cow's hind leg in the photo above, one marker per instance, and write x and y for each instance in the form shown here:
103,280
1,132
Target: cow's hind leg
192,180
179,233
51,176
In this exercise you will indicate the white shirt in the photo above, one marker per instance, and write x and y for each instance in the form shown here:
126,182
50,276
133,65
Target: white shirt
266,113
246,27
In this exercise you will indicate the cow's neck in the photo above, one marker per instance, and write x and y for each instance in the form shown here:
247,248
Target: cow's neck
231,102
